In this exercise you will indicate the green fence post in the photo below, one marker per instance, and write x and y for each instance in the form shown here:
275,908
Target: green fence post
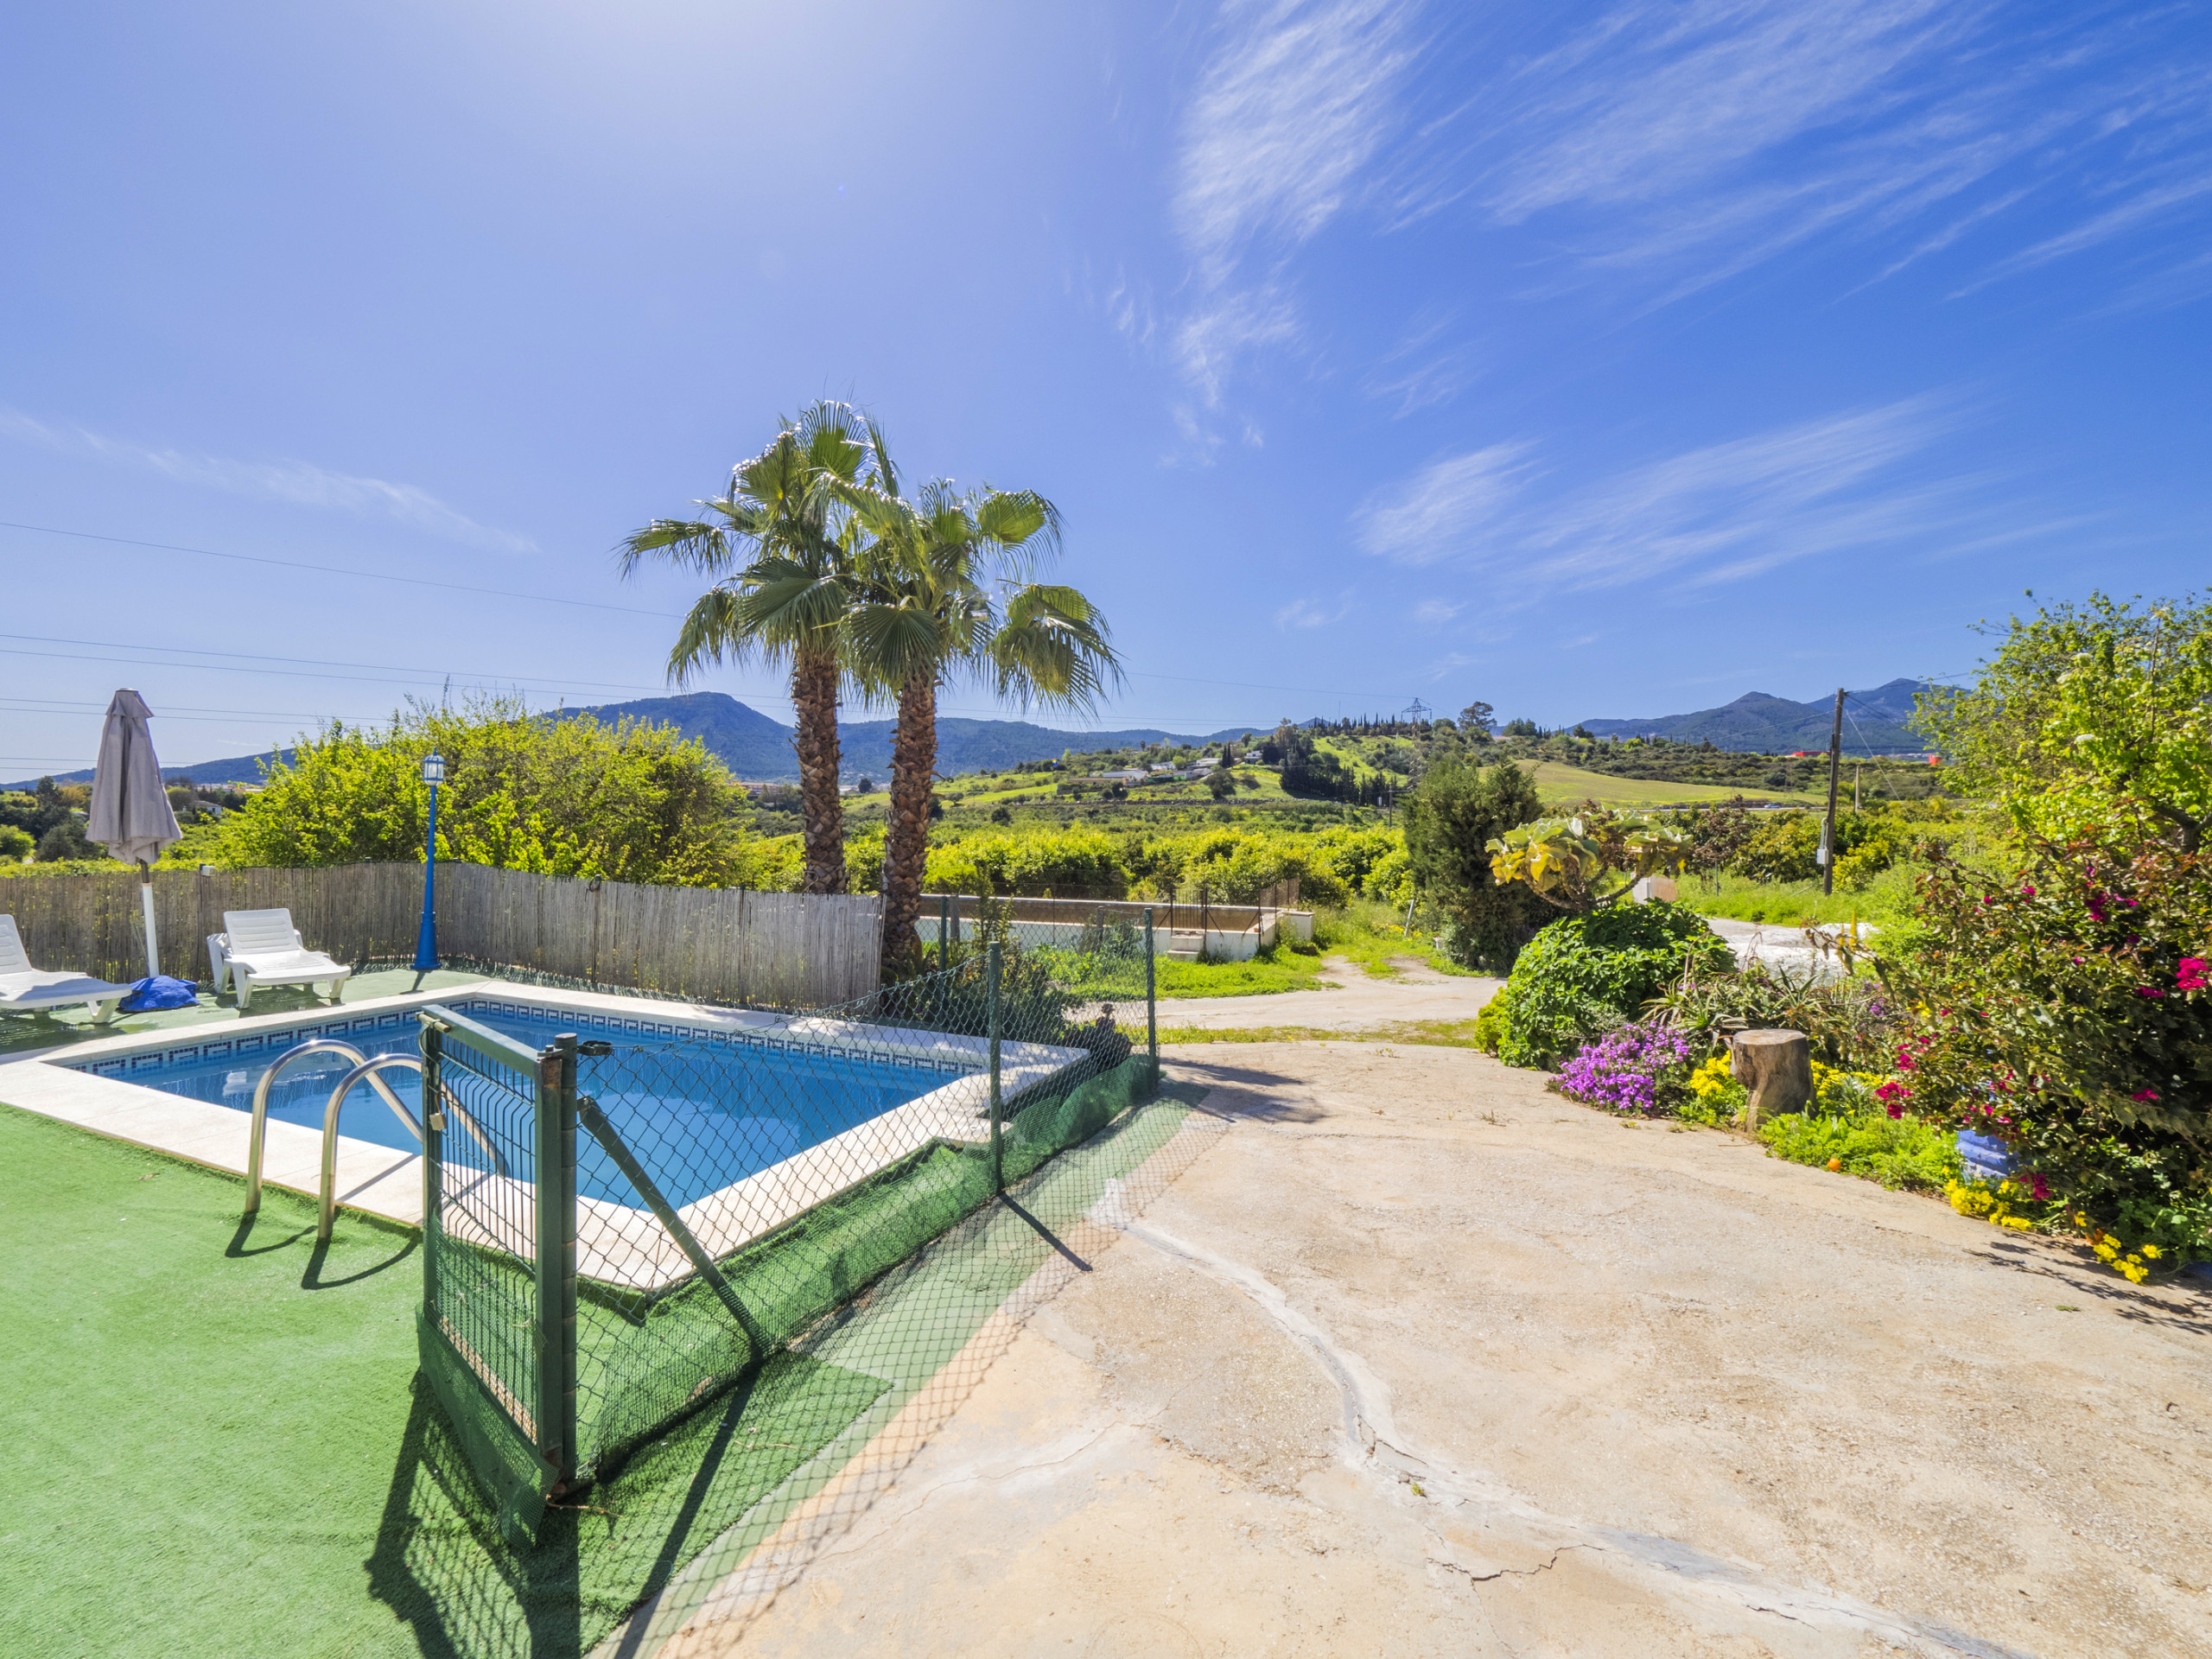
434,1183
991,981
1150,1000
555,1343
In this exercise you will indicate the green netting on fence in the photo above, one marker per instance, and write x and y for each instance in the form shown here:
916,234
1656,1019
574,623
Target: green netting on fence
723,1194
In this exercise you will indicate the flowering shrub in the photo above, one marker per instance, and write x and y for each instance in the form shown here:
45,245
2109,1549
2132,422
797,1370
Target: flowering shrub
2008,1203
1584,974
2063,1009
1715,1097
1631,1070
1845,1094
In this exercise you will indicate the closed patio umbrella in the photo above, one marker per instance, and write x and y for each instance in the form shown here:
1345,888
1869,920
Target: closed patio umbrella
131,814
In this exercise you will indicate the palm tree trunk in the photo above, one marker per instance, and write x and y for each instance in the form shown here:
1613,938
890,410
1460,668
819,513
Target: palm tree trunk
814,702
906,849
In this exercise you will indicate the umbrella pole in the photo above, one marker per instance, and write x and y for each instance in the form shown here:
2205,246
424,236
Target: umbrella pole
146,904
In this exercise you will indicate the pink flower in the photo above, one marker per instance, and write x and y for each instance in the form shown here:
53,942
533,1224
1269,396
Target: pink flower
2145,1094
2189,977
2096,908
2027,891
2041,1186
2148,990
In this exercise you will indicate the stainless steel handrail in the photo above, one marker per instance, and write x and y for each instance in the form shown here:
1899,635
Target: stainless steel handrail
367,1072
259,1133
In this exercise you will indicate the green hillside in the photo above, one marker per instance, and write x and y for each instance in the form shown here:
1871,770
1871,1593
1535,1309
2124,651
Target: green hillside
1556,782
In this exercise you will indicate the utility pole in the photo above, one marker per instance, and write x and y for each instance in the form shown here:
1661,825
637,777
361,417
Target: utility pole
1835,766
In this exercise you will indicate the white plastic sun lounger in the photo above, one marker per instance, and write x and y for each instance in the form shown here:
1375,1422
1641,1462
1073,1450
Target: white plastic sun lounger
25,990
262,947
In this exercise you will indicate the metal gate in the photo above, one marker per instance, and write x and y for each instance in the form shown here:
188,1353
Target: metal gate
497,1327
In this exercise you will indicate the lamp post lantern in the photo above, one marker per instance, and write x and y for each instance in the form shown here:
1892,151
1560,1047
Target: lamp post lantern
426,943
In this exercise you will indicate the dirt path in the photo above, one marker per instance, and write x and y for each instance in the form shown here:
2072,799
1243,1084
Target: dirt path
1416,1358
1359,1002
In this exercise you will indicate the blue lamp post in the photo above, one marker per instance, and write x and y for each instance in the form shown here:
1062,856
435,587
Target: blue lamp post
426,943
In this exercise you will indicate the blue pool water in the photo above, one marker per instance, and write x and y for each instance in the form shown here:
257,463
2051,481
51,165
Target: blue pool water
697,1110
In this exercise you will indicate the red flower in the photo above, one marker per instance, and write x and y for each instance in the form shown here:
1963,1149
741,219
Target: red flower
2041,1186
2189,977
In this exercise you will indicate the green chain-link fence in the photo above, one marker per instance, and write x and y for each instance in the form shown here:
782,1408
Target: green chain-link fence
639,1224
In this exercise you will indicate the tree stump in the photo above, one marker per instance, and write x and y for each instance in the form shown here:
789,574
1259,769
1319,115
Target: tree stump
1776,1066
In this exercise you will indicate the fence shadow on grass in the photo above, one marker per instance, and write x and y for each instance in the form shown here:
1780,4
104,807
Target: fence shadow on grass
932,1330
707,1523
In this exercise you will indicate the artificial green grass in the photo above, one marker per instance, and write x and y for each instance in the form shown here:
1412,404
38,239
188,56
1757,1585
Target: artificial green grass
218,1445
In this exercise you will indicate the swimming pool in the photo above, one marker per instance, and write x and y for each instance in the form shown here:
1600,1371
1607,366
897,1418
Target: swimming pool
738,1103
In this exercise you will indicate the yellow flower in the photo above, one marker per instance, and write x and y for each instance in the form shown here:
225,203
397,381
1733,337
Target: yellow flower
2019,1223
2150,1251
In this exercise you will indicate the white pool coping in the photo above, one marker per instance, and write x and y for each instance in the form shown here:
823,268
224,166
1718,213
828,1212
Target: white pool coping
617,1244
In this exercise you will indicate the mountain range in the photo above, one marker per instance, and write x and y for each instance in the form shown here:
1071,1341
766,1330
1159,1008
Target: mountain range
759,749
1874,722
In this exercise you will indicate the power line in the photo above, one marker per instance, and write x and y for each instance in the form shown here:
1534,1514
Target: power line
334,569
549,598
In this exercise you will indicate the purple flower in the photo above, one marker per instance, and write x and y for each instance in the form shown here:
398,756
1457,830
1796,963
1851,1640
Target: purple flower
1622,1069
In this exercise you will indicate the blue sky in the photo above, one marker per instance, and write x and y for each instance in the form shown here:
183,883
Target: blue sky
1589,360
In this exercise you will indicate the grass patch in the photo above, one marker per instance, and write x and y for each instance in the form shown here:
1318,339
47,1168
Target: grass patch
1430,1033
1279,970
1374,935
1886,901
1556,781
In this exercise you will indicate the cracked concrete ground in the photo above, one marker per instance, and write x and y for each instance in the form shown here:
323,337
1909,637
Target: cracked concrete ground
1413,1357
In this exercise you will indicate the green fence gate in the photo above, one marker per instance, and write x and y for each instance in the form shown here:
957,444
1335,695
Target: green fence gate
616,1230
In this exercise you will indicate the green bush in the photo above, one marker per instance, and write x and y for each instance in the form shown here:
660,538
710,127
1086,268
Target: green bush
16,845
1585,973
1896,1151
66,842
1450,821
562,796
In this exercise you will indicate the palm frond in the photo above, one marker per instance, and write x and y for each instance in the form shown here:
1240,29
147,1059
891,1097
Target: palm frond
688,543
713,631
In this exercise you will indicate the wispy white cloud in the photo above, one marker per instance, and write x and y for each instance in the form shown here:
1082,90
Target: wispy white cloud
1683,140
1425,368
1432,515
1435,612
1291,108
1287,115
1849,484
1313,613
1208,342
298,483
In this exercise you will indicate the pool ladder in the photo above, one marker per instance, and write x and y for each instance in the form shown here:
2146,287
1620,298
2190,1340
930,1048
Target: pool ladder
367,1071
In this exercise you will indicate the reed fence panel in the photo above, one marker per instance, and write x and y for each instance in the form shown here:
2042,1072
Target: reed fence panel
725,945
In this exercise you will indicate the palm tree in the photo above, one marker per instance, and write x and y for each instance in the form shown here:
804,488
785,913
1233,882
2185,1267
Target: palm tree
940,594
778,549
